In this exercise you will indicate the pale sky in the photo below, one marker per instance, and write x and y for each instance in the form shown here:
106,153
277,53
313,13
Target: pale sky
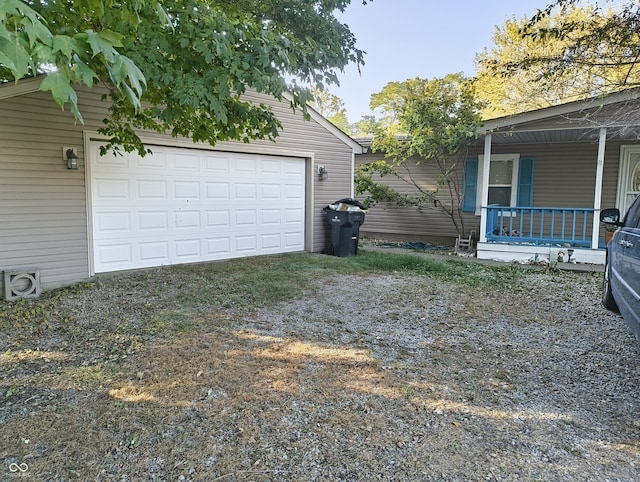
419,38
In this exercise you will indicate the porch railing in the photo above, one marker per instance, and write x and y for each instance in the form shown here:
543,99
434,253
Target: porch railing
540,226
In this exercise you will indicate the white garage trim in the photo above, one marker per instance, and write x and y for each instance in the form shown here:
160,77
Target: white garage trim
184,205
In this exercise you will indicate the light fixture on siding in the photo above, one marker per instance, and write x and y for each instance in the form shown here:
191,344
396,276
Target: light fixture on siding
323,173
71,156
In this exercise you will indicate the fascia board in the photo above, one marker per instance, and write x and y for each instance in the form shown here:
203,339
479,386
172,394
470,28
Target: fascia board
557,110
22,87
320,119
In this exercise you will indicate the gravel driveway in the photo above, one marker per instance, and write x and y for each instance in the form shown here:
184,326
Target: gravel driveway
363,376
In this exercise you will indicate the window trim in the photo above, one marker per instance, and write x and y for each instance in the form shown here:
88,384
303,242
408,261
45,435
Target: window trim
514,177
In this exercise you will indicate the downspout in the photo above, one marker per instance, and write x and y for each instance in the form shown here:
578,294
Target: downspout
484,191
597,199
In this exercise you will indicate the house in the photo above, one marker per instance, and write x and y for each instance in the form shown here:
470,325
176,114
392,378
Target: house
184,203
534,183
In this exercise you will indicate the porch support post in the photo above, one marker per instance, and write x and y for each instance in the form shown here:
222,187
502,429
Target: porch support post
484,192
597,200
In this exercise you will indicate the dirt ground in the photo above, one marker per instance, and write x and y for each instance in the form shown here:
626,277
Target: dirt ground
361,376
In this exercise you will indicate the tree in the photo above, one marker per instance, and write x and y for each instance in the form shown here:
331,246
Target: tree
331,107
180,66
389,103
30,45
596,48
439,120
366,126
530,88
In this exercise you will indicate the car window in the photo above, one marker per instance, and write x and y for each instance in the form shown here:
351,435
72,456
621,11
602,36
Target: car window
632,219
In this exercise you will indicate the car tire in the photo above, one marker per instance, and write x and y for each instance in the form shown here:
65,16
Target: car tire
608,301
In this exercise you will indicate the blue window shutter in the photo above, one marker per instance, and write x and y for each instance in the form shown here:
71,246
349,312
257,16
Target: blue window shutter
525,183
470,183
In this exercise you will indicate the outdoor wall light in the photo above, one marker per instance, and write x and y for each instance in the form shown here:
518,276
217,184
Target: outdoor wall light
71,157
323,173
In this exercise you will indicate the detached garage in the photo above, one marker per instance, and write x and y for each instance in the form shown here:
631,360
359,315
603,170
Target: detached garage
183,203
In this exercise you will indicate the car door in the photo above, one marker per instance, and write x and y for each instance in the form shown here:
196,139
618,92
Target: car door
625,264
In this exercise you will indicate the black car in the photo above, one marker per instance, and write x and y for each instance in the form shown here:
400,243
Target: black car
621,283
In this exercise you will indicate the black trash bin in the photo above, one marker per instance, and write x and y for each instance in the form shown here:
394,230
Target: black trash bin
345,227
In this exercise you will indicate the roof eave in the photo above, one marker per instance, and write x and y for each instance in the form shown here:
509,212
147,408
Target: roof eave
557,110
22,87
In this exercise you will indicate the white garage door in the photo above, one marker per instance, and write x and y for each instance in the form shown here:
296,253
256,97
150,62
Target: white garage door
181,205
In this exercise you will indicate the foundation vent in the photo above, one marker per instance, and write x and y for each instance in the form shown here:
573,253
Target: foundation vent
22,283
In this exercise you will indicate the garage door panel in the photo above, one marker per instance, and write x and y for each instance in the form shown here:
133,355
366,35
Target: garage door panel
293,216
218,191
218,248
294,192
273,168
219,163
154,163
218,218
294,168
166,208
188,162
109,188
156,252
271,216
114,222
186,190
155,190
247,244
246,217
293,239
246,191
245,165
153,221
270,191
271,242
110,161
187,249
187,220
119,255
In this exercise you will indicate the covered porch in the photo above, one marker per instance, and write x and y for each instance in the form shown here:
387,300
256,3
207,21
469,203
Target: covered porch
533,234
528,227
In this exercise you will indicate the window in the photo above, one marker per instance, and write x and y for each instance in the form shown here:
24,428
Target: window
510,182
501,181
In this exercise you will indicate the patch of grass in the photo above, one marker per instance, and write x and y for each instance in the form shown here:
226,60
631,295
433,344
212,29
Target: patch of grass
465,272
255,282
173,321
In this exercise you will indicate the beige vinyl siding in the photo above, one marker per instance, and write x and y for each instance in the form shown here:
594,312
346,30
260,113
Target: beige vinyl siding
408,223
43,207
564,176
565,173
42,203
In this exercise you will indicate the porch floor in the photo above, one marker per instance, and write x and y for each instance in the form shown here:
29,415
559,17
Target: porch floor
525,253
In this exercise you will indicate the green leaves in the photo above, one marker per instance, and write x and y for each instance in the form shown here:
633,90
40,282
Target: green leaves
99,44
14,55
21,31
569,51
188,61
61,90
428,125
